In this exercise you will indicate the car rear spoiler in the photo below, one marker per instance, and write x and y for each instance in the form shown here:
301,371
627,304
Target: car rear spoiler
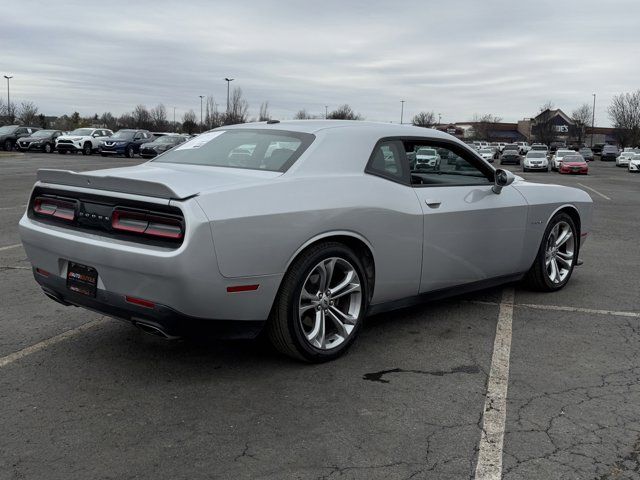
112,184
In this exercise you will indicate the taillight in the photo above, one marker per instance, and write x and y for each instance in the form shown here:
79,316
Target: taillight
55,207
147,223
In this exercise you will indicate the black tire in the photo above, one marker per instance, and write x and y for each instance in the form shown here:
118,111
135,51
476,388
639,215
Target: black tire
284,328
48,148
8,145
62,152
537,277
87,148
129,153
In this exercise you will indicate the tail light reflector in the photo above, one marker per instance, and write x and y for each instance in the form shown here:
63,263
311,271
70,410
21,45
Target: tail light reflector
152,224
55,207
140,302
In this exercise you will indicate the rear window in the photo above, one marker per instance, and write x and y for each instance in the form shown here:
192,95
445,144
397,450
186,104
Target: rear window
256,149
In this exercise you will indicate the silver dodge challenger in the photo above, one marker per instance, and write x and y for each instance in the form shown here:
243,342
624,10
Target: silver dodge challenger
298,229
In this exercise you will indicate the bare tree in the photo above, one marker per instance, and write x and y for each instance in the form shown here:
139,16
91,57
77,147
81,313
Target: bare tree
159,118
424,119
344,112
548,105
624,113
238,108
263,116
189,122
484,126
302,114
108,121
28,113
126,120
581,117
212,117
142,117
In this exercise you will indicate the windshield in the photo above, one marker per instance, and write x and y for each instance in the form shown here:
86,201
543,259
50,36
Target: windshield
43,133
83,132
573,158
562,153
123,135
7,129
426,151
166,139
486,150
536,155
272,150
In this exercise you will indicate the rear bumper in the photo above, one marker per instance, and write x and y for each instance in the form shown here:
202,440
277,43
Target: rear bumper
186,279
168,320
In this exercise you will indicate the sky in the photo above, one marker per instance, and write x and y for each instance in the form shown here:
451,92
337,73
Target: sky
456,58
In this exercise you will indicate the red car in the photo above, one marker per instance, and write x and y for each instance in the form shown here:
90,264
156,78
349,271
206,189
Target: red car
574,164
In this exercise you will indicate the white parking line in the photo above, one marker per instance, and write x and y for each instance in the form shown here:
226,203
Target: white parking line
579,309
595,191
9,247
489,466
6,360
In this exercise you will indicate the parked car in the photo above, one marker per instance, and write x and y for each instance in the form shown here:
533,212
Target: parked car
188,239
634,164
555,146
523,147
500,146
511,146
160,145
427,158
9,135
487,153
125,142
609,153
85,140
556,160
574,164
597,148
43,140
510,156
586,153
624,158
535,160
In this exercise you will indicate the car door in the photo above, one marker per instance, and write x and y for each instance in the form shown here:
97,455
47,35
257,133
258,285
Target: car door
471,234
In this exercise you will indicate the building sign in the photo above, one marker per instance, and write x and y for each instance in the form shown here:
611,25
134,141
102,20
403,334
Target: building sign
562,128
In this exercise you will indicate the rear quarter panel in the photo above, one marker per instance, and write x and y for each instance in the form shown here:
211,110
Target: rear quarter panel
258,230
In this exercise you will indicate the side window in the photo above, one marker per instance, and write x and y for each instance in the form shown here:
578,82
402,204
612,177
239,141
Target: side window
21,131
441,164
387,160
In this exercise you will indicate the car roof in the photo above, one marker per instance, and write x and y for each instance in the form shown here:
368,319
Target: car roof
315,126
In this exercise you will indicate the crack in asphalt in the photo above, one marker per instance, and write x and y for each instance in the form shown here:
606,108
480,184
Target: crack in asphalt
378,376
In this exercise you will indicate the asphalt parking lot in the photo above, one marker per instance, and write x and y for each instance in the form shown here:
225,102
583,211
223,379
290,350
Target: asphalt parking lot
83,396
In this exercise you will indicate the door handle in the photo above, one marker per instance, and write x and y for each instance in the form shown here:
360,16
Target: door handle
432,203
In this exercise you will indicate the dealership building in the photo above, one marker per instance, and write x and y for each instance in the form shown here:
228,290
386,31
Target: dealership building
563,127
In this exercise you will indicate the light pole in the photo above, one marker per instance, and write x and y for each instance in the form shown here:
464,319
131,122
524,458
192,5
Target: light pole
326,111
439,118
201,97
9,77
401,110
228,80
593,117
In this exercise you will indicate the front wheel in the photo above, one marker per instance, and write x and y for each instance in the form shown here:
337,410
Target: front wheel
557,255
87,149
48,148
129,153
321,304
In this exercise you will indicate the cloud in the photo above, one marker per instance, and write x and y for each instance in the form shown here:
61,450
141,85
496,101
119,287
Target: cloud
456,58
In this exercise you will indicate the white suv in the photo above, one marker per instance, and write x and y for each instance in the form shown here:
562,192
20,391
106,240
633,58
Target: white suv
556,160
85,140
523,147
535,160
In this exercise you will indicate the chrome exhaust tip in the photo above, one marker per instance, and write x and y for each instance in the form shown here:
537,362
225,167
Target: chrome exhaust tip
154,329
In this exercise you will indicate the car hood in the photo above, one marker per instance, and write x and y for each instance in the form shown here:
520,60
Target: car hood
163,180
574,164
34,139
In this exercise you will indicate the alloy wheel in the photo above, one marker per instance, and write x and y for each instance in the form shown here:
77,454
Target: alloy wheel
559,252
330,303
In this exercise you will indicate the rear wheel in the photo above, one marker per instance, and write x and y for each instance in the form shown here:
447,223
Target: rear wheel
8,145
557,255
321,304
130,153
48,148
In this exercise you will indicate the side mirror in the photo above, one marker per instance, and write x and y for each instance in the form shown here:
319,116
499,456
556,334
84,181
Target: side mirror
502,179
